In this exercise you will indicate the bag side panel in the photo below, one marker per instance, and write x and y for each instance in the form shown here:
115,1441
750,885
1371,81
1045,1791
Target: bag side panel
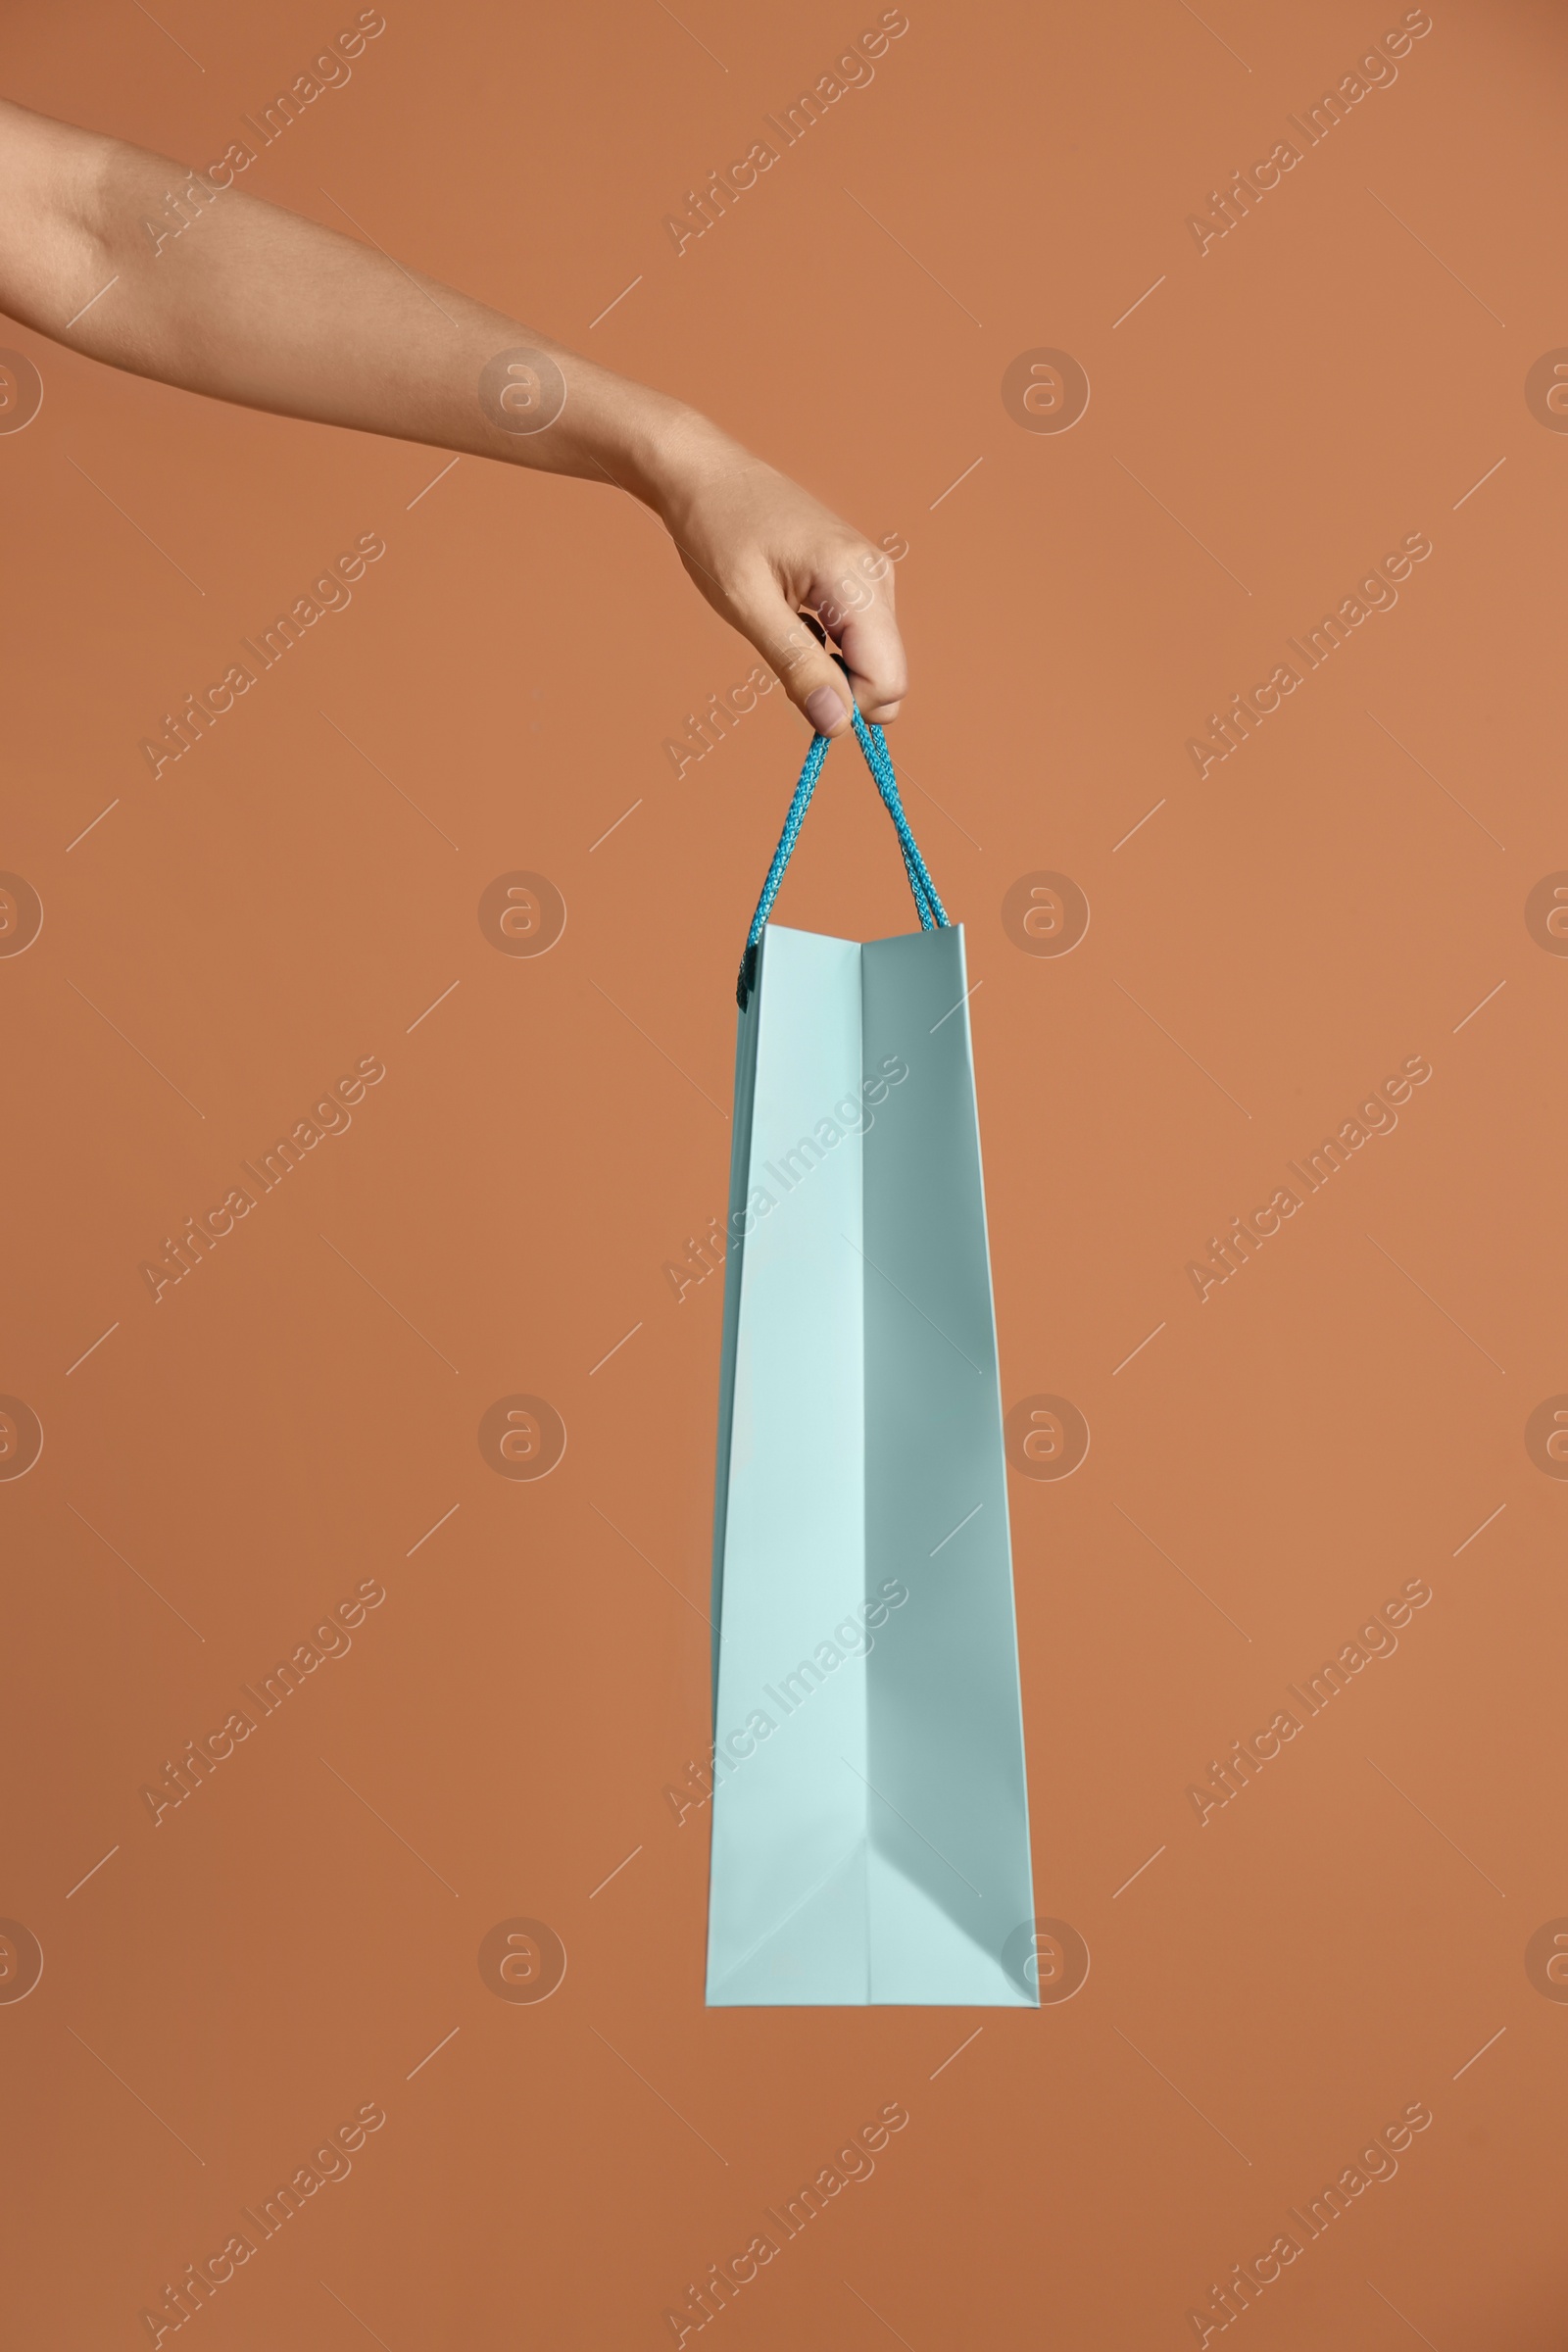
950,1828
740,1166
787,1916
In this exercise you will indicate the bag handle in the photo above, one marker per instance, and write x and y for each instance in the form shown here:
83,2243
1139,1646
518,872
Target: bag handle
873,743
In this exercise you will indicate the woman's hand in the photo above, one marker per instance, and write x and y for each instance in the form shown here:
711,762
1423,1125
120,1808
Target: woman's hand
760,548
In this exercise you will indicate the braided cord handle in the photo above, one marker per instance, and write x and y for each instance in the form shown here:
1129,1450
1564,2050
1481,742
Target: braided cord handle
873,743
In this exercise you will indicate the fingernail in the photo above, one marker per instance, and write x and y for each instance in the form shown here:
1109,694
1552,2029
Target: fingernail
824,708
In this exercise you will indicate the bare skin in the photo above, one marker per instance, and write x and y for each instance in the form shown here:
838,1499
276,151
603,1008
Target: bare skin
252,304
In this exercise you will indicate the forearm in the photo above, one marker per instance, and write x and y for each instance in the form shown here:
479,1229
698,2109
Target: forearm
248,303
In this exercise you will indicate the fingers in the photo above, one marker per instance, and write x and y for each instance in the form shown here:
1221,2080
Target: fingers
866,635
807,672
853,597
870,644
783,570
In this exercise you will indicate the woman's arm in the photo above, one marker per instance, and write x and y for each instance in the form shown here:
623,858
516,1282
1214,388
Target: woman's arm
252,304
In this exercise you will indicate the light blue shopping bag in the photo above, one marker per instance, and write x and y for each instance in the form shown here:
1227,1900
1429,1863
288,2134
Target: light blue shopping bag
870,1833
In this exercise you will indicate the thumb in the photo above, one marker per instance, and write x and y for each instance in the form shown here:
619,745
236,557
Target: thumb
794,649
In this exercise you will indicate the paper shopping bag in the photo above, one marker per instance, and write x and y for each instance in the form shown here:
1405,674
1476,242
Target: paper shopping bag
870,1837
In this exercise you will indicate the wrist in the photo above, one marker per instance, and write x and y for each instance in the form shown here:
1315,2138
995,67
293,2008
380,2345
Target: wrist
676,453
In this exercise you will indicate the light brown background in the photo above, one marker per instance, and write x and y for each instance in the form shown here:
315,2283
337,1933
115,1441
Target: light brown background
1277,1984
